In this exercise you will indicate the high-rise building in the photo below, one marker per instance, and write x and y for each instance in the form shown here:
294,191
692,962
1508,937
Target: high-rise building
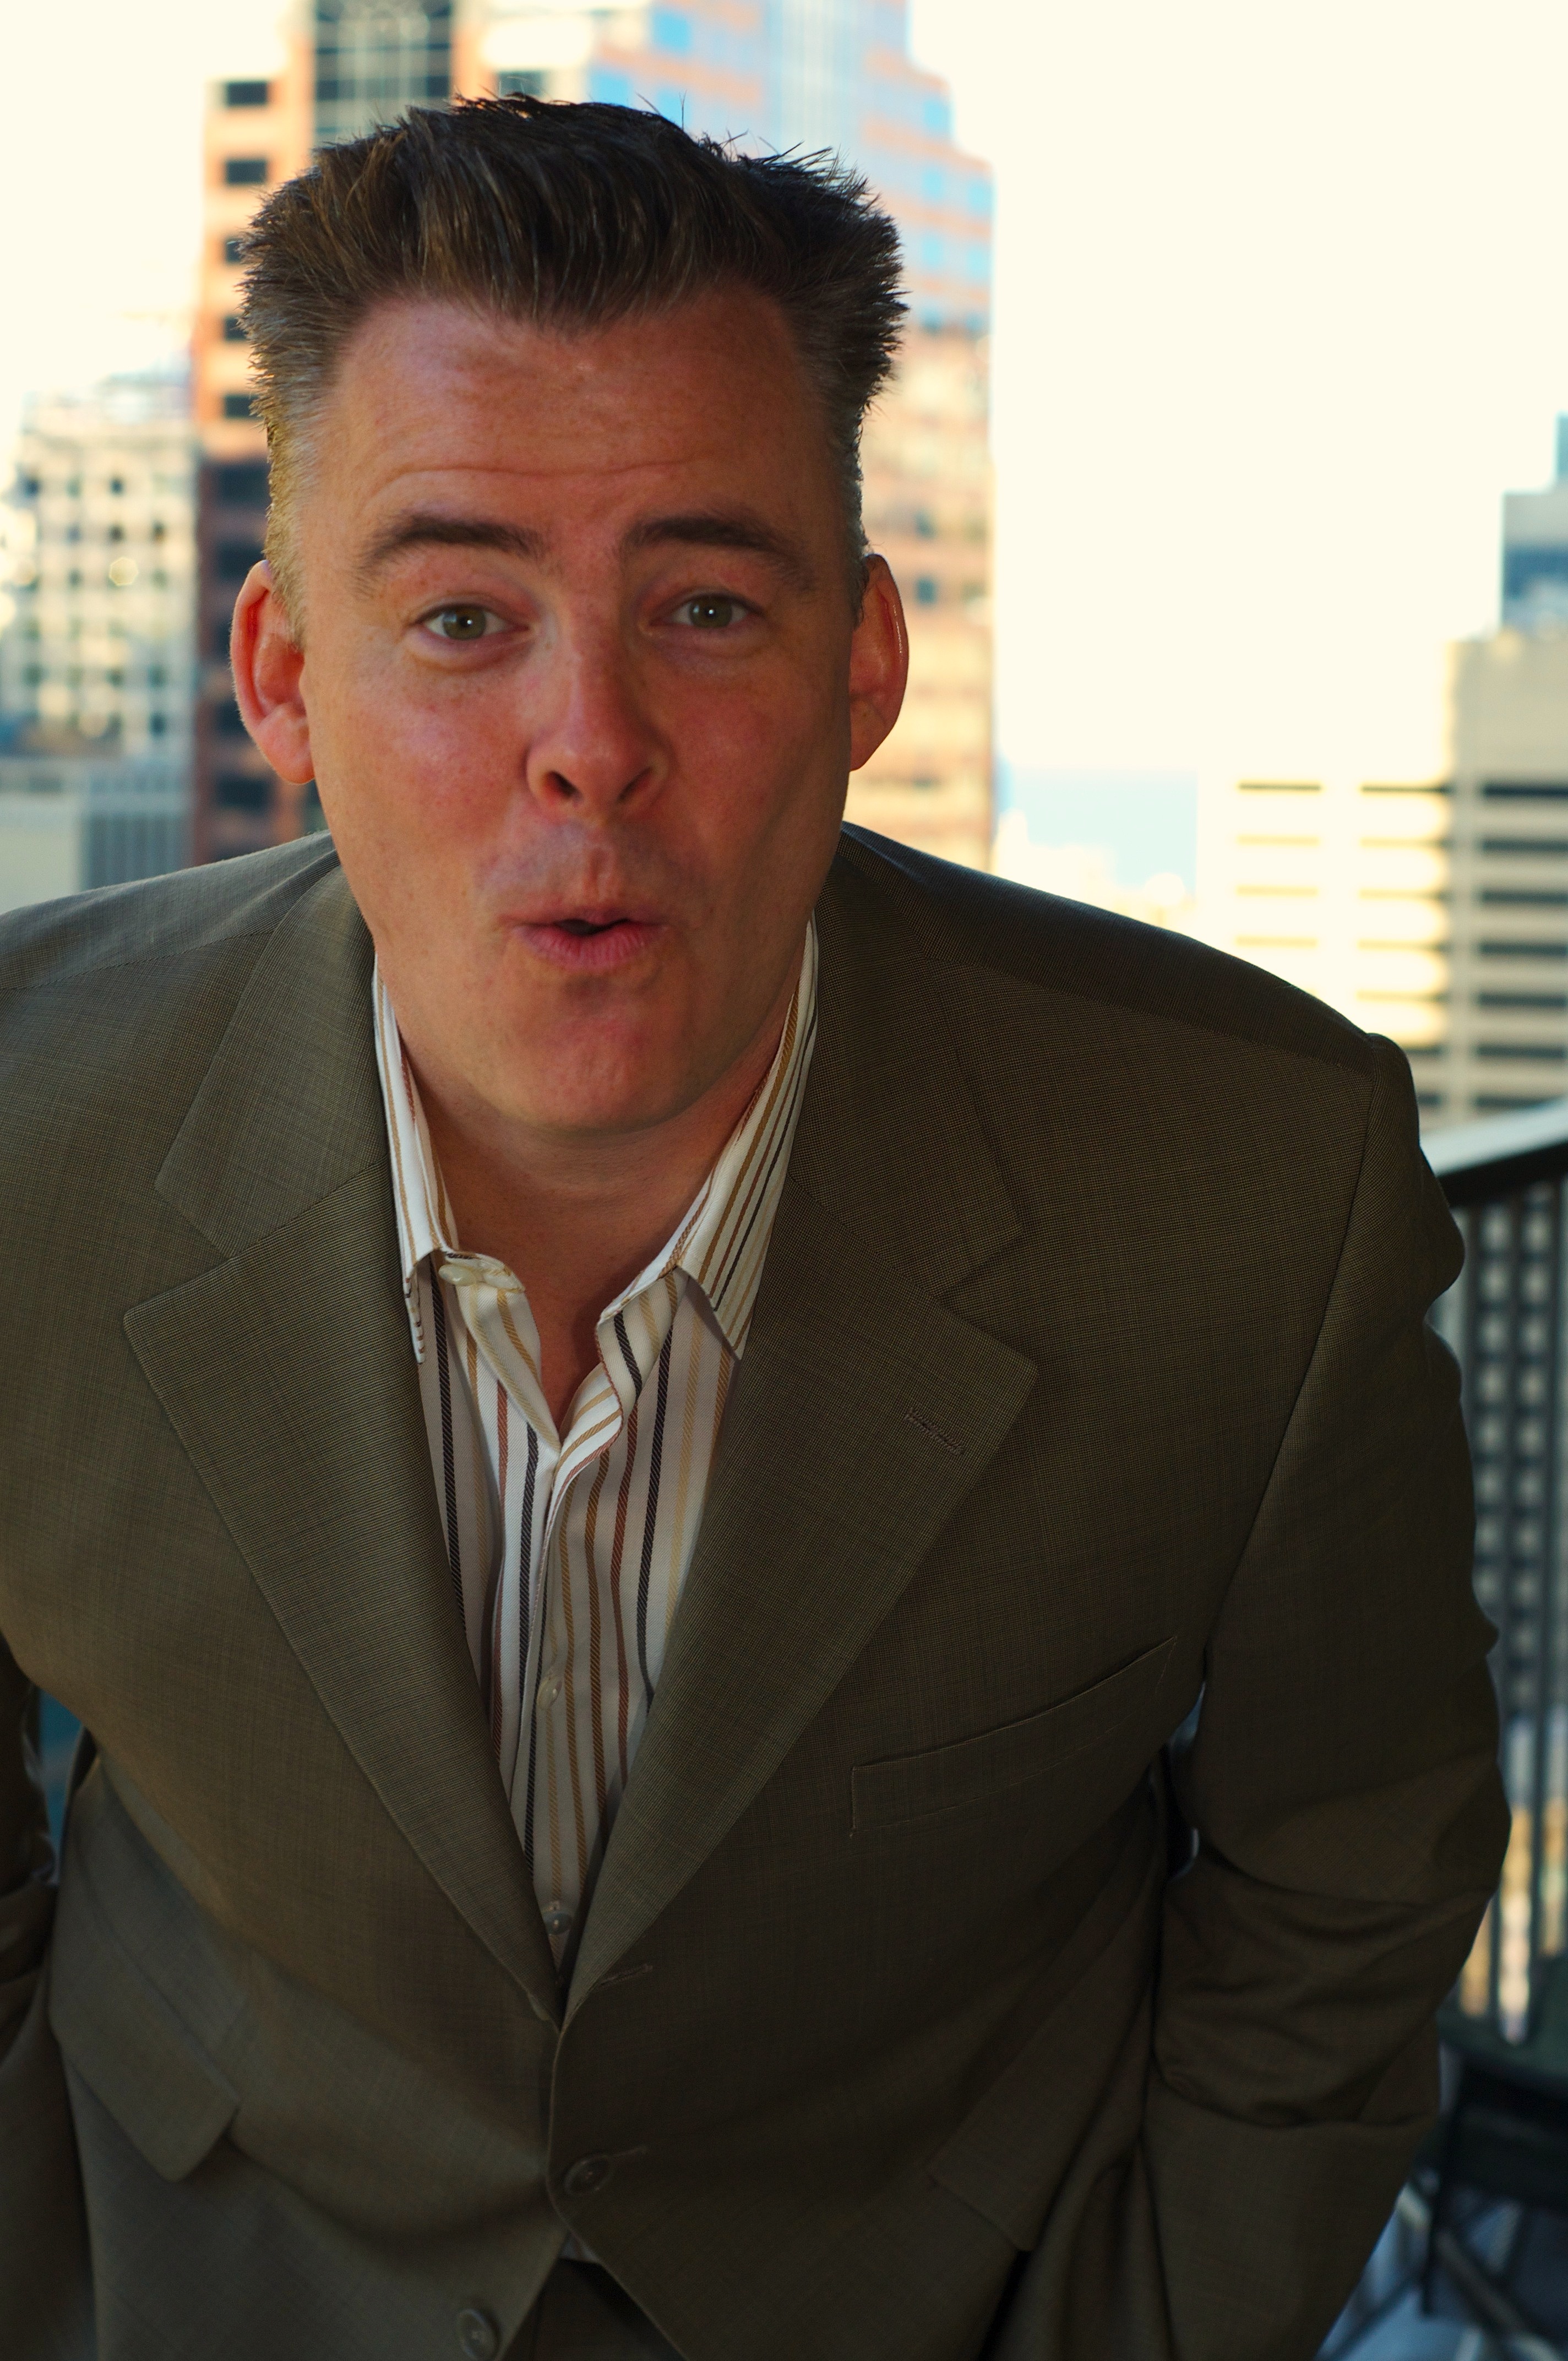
1506,1035
99,538
1535,550
1341,884
259,132
771,73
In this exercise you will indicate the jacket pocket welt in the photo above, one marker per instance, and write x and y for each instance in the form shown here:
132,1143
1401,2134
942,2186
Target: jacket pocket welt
977,1770
126,2042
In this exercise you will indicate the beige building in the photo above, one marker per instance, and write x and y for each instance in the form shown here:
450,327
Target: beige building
97,557
1508,1020
1341,884
1433,908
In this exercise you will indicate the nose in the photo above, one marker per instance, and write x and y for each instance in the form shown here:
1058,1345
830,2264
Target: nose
592,746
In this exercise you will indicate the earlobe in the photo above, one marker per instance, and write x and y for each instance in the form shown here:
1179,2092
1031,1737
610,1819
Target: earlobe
879,664
268,666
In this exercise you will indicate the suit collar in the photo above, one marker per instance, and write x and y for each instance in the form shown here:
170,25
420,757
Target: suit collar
287,1372
864,1413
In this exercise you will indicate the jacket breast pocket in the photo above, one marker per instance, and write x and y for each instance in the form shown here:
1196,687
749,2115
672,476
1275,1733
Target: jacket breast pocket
978,1770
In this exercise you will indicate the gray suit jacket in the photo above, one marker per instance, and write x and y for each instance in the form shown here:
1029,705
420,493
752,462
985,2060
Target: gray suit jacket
1089,1375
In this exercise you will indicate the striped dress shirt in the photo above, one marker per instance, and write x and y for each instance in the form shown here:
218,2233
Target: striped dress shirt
569,1552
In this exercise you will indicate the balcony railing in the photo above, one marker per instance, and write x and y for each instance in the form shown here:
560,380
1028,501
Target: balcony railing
1505,1319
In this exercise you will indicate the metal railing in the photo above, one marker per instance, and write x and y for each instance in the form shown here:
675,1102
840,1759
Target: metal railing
1507,1320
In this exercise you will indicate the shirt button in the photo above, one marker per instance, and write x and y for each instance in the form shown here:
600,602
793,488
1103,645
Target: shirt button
478,2338
549,1690
558,1919
589,2172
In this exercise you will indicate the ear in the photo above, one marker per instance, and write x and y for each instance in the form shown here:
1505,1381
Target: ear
879,664
267,664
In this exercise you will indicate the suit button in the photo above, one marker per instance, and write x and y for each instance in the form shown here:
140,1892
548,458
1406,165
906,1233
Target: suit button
589,2173
478,2338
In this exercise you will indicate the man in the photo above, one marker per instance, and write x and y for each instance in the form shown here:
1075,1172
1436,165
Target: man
631,1423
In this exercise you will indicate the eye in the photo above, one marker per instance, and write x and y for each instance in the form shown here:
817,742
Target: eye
461,622
711,611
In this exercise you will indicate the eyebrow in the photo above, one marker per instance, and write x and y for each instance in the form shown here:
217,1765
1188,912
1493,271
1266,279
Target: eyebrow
725,529
698,529
426,529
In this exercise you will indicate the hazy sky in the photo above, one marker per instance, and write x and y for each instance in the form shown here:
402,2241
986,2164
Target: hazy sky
1279,316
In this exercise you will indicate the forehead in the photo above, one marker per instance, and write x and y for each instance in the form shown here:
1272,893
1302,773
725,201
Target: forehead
435,390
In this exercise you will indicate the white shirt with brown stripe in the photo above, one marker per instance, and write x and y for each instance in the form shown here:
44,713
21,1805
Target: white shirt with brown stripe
568,1551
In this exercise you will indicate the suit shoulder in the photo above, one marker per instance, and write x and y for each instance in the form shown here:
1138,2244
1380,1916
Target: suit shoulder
211,909
965,918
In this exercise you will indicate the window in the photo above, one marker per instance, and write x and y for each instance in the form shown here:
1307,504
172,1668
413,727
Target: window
609,88
1523,950
671,31
1528,791
522,82
925,593
227,721
247,94
160,530
233,329
236,558
157,723
1552,1052
116,484
242,483
156,677
232,250
240,791
244,172
1529,845
1521,1000
238,405
1523,897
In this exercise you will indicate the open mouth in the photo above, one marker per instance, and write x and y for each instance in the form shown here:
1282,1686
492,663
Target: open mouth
589,945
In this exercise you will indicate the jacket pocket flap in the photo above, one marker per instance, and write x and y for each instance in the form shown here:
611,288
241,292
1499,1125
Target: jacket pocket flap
943,1778
126,2042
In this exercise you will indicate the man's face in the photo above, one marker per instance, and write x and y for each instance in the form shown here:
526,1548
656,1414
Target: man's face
581,688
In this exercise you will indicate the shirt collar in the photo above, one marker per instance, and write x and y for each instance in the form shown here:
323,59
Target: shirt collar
721,1239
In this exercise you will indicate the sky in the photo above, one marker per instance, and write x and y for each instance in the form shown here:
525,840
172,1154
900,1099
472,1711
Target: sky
1279,318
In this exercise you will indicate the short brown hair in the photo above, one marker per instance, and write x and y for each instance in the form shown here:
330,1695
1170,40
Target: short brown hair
572,215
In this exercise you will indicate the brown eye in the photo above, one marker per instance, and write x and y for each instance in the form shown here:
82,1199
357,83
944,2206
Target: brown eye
710,612
461,622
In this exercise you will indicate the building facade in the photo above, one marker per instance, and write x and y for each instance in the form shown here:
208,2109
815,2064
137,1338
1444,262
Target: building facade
1535,550
1506,1037
73,820
98,536
770,73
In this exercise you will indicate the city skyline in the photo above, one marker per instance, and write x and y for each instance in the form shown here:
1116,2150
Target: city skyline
1229,434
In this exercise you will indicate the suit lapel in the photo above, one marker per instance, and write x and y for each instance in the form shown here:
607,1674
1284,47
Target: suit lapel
287,1372
863,1414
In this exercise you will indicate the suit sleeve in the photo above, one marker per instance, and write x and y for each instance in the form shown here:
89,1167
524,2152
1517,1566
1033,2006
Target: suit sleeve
27,1892
1343,1786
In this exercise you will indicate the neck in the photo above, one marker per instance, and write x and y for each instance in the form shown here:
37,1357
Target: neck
577,1219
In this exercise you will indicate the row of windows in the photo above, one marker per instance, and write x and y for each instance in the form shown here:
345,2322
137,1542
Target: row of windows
120,573
112,676
76,532
30,487
158,724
